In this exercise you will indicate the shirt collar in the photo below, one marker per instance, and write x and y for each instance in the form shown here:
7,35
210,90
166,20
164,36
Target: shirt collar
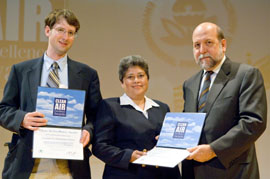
49,61
126,100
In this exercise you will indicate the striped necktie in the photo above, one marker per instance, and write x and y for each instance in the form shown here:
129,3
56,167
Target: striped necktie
204,91
53,78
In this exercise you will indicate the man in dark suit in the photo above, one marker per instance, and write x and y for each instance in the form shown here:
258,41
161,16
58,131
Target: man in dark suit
235,105
17,108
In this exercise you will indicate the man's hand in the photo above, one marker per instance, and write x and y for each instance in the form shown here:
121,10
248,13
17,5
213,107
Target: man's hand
201,153
33,120
85,138
136,154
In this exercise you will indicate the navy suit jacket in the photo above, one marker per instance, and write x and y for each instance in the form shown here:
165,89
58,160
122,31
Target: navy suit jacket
20,98
119,130
236,116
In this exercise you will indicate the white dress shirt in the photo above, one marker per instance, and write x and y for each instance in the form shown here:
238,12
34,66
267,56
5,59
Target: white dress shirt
62,71
149,103
213,76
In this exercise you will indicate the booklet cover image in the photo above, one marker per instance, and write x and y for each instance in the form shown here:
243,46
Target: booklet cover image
181,130
61,107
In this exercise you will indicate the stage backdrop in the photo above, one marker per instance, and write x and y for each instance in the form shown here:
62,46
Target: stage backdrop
158,30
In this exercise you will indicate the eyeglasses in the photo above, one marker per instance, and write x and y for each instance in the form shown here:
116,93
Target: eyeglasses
133,77
63,31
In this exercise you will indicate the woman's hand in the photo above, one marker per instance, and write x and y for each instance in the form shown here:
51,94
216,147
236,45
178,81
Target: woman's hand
137,154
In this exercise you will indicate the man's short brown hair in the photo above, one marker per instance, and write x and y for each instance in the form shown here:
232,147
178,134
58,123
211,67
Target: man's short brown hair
57,14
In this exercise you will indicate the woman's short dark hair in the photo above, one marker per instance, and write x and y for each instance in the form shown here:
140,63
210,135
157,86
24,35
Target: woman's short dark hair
131,61
57,14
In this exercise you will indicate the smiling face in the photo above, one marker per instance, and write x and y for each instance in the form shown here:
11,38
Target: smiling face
208,50
60,38
135,82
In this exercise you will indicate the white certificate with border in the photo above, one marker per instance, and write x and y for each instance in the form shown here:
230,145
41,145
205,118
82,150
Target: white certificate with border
163,157
179,132
64,110
57,143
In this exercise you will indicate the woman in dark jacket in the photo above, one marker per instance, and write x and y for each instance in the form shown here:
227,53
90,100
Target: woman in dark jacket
129,124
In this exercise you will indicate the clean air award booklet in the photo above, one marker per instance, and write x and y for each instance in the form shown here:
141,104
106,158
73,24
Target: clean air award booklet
179,132
64,110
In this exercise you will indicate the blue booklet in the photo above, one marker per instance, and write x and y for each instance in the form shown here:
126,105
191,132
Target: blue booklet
61,107
181,130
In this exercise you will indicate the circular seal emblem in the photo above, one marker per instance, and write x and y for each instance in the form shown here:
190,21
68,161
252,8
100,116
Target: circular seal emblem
168,26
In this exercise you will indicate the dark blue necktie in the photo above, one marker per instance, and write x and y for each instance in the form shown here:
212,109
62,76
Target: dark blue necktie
204,91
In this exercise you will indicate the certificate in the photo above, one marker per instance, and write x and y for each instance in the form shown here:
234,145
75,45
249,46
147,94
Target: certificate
64,110
57,143
164,157
179,131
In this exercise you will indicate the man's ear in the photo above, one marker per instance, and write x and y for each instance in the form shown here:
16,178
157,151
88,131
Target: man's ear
224,45
47,31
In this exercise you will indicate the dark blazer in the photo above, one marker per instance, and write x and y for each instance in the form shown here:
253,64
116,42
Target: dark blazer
119,130
236,116
20,97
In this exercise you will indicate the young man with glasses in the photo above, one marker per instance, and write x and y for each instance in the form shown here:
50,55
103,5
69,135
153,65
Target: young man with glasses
17,108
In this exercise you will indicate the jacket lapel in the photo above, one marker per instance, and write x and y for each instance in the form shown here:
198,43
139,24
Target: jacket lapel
74,75
195,90
34,77
221,80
